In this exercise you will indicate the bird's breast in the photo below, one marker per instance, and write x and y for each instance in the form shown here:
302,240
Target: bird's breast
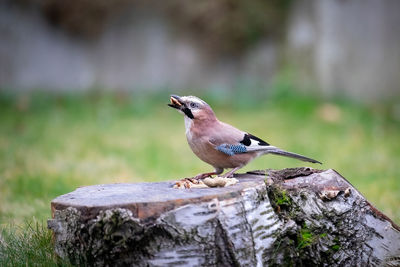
203,149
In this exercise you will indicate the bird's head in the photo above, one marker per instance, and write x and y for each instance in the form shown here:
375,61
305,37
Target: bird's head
192,107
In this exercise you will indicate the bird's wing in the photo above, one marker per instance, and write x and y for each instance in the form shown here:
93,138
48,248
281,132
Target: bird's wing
236,142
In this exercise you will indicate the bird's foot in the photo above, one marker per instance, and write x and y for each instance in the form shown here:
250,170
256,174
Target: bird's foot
202,182
195,181
231,172
189,183
202,176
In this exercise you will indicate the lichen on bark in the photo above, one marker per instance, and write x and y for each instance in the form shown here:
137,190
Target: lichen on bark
332,232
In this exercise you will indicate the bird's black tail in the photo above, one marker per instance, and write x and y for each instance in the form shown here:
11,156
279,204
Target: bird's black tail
280,152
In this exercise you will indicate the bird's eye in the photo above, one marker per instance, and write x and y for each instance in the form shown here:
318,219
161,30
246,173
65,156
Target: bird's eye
193,105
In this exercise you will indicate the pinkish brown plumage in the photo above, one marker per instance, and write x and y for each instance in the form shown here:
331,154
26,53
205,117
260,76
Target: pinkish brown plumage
220,144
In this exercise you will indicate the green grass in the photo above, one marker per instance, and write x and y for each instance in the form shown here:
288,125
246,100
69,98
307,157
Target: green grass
305,238
31,246
52,144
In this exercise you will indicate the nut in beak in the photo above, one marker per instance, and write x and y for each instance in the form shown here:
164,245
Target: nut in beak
175,102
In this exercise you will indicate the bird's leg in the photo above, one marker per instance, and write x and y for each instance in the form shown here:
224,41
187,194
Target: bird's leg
231,172
203,175
200,176
195,179
185,182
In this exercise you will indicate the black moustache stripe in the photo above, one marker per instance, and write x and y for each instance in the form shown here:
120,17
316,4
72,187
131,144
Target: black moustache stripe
188,113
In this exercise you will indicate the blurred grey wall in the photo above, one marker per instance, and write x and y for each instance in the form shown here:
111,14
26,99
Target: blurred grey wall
138,49
349,47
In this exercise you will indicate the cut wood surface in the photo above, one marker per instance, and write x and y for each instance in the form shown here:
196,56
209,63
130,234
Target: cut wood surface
299,216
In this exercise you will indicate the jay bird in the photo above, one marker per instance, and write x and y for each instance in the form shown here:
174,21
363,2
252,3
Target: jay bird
220,144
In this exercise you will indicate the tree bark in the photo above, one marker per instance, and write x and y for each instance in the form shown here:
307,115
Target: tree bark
301,217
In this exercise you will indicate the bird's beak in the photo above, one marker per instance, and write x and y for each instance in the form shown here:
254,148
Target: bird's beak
175,102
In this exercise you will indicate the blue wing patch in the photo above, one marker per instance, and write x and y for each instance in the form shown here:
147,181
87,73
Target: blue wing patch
232,149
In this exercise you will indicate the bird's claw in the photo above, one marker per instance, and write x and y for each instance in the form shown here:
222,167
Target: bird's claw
203,175
192,180
204,183
186,182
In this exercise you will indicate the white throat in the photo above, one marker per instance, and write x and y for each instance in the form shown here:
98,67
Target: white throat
188,124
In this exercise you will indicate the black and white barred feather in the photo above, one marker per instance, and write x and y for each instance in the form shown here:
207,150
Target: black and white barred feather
251,143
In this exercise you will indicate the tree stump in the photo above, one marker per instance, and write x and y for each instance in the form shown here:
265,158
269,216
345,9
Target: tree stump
299,216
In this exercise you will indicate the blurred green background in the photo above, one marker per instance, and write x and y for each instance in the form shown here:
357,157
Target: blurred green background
52,144
84,86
